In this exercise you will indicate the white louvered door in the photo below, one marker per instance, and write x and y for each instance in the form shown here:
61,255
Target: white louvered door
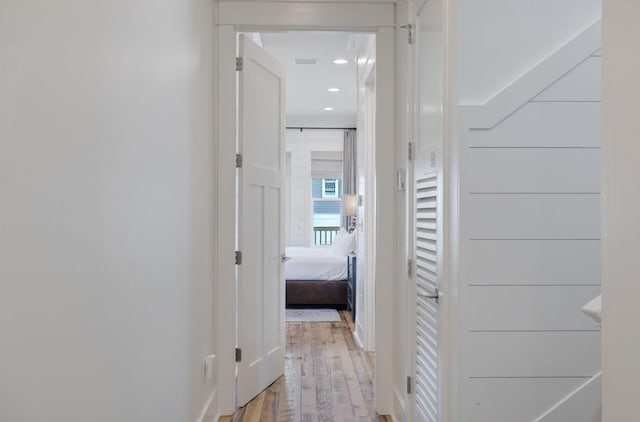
428,203
427,293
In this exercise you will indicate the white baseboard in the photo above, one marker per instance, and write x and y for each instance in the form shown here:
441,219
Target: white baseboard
212,418
207,410
356,337
399,406
582,404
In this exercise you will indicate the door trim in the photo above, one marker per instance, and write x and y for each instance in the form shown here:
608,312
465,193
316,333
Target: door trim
225,137
450,302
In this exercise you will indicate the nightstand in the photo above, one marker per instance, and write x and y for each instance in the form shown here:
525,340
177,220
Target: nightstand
351,285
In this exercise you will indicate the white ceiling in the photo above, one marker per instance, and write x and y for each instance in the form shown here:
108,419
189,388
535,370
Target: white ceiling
308,84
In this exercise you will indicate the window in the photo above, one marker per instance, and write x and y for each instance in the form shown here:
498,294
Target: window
327,209
329,188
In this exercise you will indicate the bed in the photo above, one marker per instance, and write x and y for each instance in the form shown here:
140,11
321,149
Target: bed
318,275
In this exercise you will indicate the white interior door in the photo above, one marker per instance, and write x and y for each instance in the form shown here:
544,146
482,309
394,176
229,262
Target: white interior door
428,200
260,290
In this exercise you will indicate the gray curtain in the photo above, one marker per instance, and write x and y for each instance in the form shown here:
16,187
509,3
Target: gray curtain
349,168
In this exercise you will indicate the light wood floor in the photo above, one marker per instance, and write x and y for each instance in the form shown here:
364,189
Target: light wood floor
327,378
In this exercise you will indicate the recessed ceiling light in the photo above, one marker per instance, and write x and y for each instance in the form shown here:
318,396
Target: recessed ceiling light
341,61
334,89
328,109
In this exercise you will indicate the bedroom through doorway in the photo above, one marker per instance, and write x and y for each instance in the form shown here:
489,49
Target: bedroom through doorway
329,195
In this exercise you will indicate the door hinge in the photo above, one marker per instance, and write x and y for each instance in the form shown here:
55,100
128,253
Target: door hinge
238,161
409,28
239,63
410,151
238,354
409,385
238,257
410,268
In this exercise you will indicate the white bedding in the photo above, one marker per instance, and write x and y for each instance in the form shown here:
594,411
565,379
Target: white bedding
314,264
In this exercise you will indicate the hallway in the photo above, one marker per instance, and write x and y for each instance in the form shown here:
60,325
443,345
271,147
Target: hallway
327,378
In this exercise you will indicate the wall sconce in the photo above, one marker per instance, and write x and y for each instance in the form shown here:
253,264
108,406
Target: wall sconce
350,209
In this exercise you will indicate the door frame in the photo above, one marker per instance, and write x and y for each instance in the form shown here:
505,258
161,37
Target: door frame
234,16
364,333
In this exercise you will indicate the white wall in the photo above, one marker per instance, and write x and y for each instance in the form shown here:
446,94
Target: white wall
300,144
530,218
106,242
500,40
621,88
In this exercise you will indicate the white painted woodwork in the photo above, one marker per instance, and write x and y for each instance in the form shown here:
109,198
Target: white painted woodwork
428,253
543,308
306,14
549,170
621,290
366,229
534,354
577,85
537,125
531,213
427,313
322,120
534,80
534,262
226,149
534,216
516,399
583,404
385,143
261,334
403,319
386,198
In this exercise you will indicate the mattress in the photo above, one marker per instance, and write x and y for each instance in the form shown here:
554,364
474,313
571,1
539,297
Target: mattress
314,264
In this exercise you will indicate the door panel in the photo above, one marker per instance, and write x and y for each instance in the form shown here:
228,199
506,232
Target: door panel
427,377
260,298
428,199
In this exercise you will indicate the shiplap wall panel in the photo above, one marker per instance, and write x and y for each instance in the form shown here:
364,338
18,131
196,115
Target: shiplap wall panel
536,125
544,170
531,307
527,262
534,354
516,399
577,85
526,216
531,254
300,197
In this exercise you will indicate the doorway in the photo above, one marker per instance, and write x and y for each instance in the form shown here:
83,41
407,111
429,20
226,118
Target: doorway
231,20
330,126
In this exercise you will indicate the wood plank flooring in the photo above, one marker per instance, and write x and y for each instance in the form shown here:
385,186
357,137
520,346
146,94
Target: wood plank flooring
327,378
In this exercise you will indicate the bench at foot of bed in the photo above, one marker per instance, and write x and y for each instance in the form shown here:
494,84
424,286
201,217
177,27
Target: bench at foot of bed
316,292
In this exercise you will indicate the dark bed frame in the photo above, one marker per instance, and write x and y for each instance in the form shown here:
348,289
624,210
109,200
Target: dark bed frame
316,292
